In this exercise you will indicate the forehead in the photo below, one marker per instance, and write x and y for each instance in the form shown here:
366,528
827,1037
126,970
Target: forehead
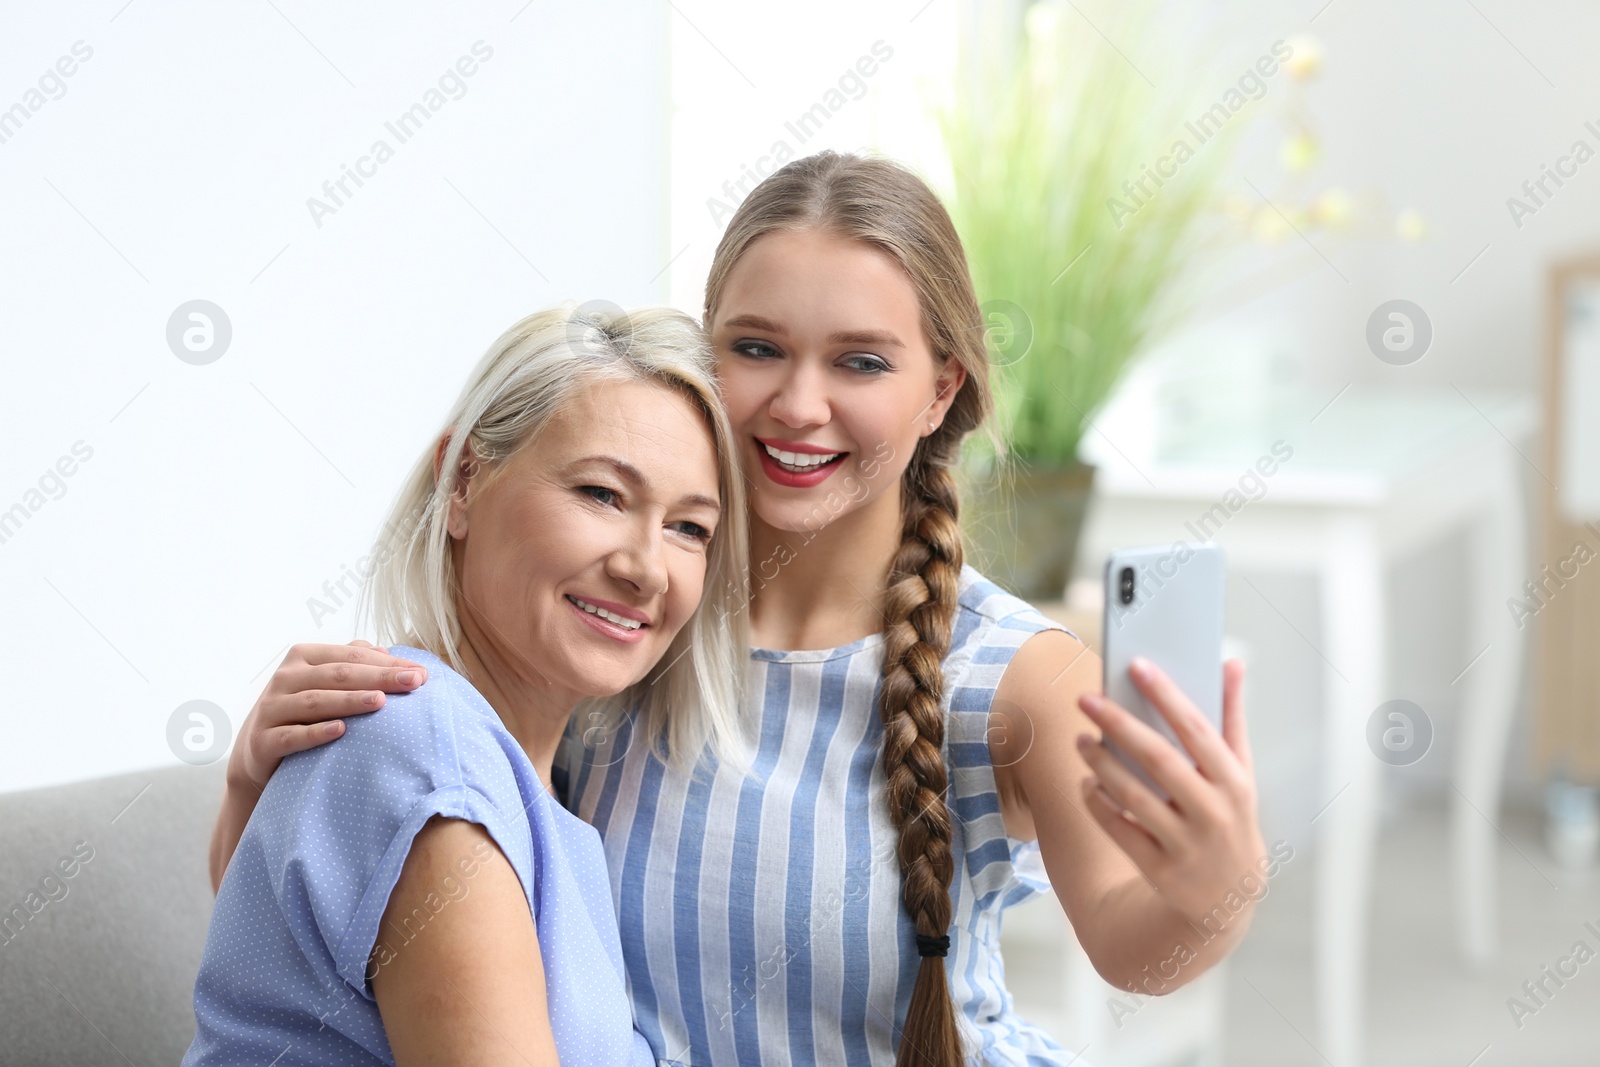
820,282
655,428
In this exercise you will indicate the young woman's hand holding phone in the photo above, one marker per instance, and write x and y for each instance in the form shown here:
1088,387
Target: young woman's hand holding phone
1189,825
1196,847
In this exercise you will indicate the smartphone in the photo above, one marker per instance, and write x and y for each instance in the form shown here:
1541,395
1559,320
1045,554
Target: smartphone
1165,603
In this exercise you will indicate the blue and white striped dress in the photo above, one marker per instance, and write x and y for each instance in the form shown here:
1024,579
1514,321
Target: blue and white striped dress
760,914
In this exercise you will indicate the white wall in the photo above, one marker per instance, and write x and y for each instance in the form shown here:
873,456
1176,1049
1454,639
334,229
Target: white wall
176,562
743,76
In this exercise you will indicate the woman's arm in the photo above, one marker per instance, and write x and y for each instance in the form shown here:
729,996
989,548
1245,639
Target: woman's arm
238,801
461,982
300,708
1152,888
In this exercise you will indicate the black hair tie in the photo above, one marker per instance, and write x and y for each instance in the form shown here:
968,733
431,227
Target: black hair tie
933,946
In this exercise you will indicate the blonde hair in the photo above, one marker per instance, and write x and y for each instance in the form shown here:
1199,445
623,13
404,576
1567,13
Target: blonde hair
526,376
886,206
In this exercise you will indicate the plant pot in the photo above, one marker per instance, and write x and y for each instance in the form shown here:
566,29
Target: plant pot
1022,530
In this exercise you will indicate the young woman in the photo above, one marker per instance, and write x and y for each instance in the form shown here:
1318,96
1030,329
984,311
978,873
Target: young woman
415,895
924,740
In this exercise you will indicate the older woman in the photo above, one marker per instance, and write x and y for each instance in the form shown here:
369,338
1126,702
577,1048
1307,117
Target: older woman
415,894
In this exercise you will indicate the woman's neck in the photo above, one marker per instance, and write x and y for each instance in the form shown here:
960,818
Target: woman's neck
826,587
534,712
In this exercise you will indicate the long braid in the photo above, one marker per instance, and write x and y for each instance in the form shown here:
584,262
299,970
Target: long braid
924,584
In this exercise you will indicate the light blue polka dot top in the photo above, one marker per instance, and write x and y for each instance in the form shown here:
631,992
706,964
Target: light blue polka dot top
284,977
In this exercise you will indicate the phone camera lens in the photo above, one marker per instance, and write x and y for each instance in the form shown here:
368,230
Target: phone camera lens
1125,585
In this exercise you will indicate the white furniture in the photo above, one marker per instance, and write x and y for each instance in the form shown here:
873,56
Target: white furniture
1373,475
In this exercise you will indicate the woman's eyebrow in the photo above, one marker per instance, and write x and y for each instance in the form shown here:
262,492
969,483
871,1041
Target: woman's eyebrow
627,470
841,337
702,501
865,337
635,477
755,322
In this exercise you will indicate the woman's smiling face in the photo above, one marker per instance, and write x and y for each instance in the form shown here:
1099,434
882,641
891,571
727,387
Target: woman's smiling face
612,507
828,376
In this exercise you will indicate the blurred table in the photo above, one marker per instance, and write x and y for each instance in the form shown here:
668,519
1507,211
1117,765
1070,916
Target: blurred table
1358,479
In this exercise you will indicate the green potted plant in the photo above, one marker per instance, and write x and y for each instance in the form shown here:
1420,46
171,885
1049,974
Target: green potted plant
1079,248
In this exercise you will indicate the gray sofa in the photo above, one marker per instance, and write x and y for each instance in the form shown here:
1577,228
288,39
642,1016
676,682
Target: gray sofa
104,903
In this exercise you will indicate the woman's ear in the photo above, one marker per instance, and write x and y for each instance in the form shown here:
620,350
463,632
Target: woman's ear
466,467
951,378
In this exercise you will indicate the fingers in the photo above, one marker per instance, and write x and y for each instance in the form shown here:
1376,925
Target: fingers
356,652
401,677
1211,753
1233,724
322,705
1128,792
310,707
317,683
1151,751
287,740
1140,847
